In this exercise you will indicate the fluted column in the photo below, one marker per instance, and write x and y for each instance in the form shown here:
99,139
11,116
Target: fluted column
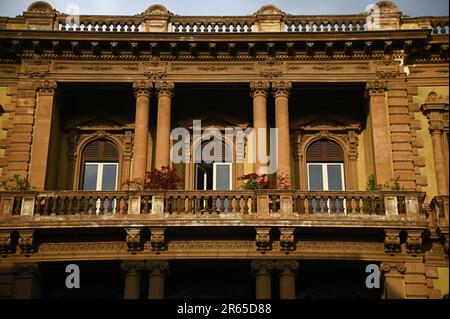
142,92
287,278
375,91
434,109
259,92
132,274
42,131
164,90
157,274
281,92
263,278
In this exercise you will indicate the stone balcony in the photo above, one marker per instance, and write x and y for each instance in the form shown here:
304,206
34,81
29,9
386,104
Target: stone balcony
265,208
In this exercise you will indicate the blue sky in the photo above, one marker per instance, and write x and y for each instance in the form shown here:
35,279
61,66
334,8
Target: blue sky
229,7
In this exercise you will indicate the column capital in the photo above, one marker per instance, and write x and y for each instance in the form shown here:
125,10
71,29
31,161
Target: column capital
259,88
376,87
142,88
263,265
157,266
281,88
46,87
165,88
129,265
25,268
287,265
396,266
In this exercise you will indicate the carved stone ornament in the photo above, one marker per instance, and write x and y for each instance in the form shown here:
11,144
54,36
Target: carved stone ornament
287,241
26,242
281,88
128,266
165,88
46,87
414,242
263,243
392,242
157,240
259,88
133,239
5,243
142,88
387,267
376,87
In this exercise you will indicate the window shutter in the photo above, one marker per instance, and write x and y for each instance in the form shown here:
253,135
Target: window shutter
324,151
101,151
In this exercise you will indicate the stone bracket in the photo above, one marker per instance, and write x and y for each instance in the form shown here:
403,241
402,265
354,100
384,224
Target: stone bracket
287,240
263,243
392,241
157,239
134,243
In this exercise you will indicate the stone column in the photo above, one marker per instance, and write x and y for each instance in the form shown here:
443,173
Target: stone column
394,280
259,92
132,271
25,281
287,270
380,130
263,278
281,92
164,90
142,93
42,131
434,109
157,275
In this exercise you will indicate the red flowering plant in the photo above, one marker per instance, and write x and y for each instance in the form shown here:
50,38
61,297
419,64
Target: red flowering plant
165,178
255,181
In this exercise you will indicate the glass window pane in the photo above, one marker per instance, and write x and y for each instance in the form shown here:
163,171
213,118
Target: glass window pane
223,177
109,177
315,177
334,177
90,177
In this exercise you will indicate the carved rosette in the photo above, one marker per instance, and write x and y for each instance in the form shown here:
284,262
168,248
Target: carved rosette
5,243
263,243
165,88
392,242
26,242
142,88
133,239
287,240
46,87
414,242
157,240
376,87
259,88
281,89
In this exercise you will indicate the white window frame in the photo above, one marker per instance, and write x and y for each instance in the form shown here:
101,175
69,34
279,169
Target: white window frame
205,176
325,174
215,174
100,166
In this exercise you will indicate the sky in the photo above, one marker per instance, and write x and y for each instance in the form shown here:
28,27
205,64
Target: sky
412,8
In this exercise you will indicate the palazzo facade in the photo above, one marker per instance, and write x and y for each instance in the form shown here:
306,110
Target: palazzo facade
360,104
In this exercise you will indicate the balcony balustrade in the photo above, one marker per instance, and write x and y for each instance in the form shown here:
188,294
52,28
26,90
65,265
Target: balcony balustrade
216,208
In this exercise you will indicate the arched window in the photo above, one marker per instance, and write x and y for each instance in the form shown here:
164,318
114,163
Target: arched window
325,162
100,161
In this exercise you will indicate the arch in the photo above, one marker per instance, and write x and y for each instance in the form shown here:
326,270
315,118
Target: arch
81,147
324,150
40,6
338,141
